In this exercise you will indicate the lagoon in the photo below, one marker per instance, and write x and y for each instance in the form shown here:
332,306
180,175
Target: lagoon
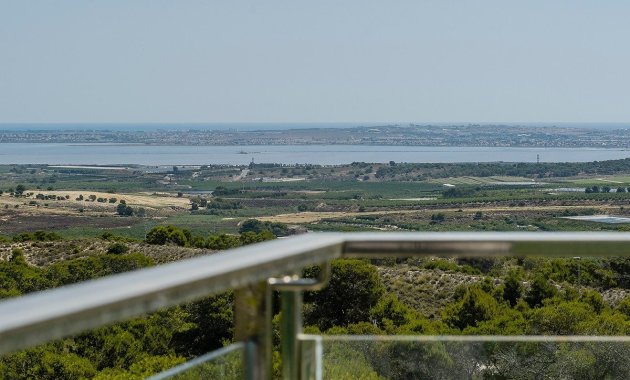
121,154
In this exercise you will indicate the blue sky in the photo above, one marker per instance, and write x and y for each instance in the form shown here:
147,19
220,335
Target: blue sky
314,61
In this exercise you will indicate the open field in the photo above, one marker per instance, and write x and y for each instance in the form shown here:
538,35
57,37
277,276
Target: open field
311,217
611,181
328,198
137,199
494,180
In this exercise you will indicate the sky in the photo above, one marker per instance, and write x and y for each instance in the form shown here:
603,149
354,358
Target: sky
185,61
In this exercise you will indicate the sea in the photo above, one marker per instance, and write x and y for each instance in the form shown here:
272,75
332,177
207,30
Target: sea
138,154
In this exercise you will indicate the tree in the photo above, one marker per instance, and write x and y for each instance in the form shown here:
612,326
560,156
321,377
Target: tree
539,291
512,288
354,288
19,190
251,237
212,320
223,241
563,318
256,226
476,306
162,235
390,311
124,210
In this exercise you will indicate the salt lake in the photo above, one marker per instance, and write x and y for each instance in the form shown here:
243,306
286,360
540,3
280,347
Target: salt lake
120,154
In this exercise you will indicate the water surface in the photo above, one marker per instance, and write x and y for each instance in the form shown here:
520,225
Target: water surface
112,154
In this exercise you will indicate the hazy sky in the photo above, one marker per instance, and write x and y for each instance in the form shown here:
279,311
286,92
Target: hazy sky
314,61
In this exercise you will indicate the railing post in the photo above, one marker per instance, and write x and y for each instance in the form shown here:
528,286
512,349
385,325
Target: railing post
291,288
250,324
290,327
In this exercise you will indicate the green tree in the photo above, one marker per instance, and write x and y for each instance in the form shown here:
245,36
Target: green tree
540,290
476,306
210,325
124,210
354,288
251,237
254,225
46,363
512,288
390,313
19,190
560,318
223,241
161,235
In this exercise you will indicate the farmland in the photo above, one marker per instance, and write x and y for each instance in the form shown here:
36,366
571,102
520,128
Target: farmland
84,202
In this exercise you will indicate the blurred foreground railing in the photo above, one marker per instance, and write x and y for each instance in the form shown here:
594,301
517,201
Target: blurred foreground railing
464,357
254,271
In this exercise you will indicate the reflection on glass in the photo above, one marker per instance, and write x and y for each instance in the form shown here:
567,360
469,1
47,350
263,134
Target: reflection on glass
226,363
364,357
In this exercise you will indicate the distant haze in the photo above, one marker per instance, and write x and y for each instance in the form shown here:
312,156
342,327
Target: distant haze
265,126
288,62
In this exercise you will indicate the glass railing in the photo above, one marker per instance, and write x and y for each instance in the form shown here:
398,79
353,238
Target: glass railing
254,272
225,363
464,357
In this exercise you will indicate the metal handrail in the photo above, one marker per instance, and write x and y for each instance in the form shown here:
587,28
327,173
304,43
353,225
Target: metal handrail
56,313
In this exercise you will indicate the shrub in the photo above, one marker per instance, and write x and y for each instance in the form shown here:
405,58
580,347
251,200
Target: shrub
162,235
256,226
117,249
124,210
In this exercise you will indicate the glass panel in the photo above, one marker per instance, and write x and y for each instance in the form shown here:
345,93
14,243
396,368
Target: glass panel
371,357
225,363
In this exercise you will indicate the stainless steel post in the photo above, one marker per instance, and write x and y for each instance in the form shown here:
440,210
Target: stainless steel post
290,327
250,327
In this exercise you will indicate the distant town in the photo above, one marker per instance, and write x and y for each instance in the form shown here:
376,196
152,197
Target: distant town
408,135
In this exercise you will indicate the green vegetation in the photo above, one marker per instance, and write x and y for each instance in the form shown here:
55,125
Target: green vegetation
37,236
526,296
130,350
162,235
215,209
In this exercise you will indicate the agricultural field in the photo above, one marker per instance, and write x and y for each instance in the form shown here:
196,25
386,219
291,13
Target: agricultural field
613,181
84,202
492,180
